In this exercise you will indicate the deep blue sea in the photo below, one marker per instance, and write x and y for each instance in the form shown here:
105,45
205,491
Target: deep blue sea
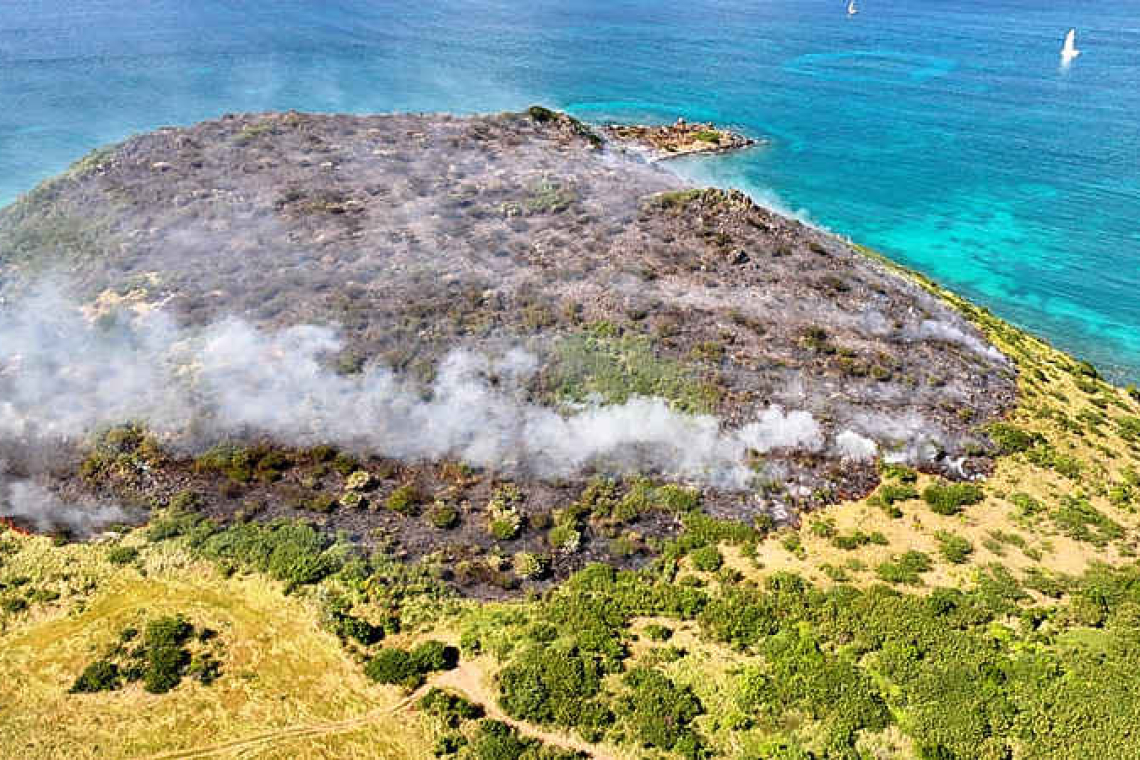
945,134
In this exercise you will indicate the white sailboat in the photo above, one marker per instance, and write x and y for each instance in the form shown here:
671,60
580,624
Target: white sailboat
1069,49
852,9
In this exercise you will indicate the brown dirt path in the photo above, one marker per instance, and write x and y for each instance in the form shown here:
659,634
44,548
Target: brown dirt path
467,679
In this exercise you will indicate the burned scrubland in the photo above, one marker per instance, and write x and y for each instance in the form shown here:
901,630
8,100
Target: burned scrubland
496,316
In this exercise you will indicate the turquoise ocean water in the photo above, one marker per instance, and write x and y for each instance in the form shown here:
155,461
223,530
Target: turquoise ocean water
945,134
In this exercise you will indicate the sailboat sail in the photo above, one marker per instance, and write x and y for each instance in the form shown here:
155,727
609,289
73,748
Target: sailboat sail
1069,50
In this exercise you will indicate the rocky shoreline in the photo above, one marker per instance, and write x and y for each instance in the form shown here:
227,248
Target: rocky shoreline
682,138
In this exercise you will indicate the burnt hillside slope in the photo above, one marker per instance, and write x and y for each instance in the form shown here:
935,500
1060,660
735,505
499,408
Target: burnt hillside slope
578,278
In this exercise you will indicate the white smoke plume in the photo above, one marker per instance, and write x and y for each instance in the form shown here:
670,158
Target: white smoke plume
853,447
29,502
63,376
931,329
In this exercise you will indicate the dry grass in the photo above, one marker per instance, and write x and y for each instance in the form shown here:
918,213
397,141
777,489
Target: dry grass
279,669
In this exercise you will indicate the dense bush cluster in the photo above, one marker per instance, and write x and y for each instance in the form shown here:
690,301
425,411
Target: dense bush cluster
950,498
660,713
293,552
160,660
408,668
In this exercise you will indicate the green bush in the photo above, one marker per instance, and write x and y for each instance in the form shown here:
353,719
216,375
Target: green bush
529,565
443,515
396,666
1010,439
122,555
950,498
905,568
432,655
393,666
707,558
1027,506
899,472
167,658
1078,519
550,685
450,708
659,712
100,675
292,552
349,627
361,480
405,500
504,521
242,465
541,114
565,538
955,549
857,539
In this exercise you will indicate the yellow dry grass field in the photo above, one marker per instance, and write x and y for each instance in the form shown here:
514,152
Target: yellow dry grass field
280,671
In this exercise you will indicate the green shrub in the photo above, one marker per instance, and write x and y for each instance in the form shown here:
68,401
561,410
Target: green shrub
322,503
657,632
361,480
659,712
450,708
205,668
1078,519
529,565
393,666
857,539
504,521
167,658
599,362
292,552
1010,439
549,685
396,666
890,493
678,499
1027,506
950,498
242,465
443,516
707,558
955,549
100,675
345,464
405,500
905,568
541,114
565,538
353,500
349,627
495,740
122,555
899,472
432,655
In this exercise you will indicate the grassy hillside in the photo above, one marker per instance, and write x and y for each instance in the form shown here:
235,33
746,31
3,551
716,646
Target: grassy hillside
927,620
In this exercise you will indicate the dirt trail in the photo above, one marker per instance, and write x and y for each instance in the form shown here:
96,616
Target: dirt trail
466,679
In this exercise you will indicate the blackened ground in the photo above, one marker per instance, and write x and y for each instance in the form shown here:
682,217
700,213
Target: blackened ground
420,234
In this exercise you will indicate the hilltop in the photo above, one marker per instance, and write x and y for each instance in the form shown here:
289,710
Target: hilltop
481,437
495,267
